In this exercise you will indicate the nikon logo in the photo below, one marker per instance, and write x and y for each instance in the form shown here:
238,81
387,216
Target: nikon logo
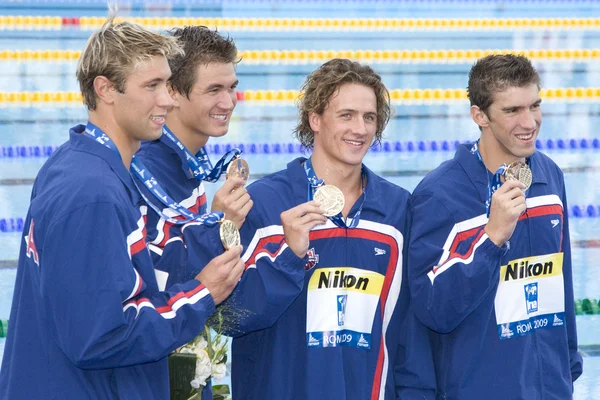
524,269
339,279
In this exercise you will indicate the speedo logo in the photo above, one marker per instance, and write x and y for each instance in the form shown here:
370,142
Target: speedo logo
532,267
346,279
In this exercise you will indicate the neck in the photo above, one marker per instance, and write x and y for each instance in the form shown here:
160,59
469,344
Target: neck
126,145
494,154
192,140
347,178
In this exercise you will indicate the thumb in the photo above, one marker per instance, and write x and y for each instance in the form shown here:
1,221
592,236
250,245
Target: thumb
232,253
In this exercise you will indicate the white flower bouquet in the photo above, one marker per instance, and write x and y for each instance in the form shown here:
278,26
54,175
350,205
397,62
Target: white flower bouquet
210,349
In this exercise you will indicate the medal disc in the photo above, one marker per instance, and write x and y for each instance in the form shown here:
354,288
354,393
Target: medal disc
519,171
230,235
331,199
238,168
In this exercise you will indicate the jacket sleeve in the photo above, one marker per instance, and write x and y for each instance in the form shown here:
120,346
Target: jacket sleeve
180,259
167,249
414,371
576,360
273,278
95,298
452,266
274,275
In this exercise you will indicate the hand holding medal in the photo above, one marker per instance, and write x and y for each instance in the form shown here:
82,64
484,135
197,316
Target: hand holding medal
297,223
506,198
508,202
232,198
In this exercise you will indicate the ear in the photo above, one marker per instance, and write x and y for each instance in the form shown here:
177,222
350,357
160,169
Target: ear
175,95
479,117
314,120
104,89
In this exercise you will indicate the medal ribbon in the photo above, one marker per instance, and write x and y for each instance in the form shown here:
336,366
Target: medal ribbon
313,185
144,176
99,136
496,181
200,164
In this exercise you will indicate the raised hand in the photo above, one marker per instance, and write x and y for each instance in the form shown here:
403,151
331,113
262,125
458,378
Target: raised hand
222,273
233,200
297,223
508,203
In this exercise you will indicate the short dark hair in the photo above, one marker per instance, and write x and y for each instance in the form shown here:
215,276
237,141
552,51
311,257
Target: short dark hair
495,73
202,46
320,85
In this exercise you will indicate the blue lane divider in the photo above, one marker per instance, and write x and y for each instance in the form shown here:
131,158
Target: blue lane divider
577,211
407,146
26,151
11,224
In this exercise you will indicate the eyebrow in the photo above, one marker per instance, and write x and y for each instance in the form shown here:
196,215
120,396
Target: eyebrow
510,108
155,80
219,86
353,111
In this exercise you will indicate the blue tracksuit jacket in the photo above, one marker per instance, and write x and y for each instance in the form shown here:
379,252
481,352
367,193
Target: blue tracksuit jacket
504,317
88,320
349,334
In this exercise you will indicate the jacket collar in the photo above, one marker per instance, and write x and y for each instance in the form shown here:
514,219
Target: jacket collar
479,175
299,184
88,145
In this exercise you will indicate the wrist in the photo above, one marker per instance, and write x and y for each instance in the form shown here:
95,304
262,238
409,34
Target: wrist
494,237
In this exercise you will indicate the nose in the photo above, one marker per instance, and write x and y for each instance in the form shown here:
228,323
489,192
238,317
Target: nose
164,99
529,119
228,100
360,126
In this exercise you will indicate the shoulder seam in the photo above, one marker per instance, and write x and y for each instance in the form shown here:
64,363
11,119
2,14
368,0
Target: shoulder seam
59,217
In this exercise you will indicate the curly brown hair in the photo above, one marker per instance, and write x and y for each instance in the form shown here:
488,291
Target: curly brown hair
323,83
202,46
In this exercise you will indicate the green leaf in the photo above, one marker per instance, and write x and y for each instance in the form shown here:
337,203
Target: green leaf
221,390
196,396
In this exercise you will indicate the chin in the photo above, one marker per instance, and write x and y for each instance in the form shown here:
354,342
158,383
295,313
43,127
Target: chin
523,153
354,161
152,135
218,133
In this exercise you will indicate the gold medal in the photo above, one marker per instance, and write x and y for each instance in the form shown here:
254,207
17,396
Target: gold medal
519,171
238,168
230,235
331,199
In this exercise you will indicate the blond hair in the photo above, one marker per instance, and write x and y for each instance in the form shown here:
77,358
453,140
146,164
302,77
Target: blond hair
115,51
322,84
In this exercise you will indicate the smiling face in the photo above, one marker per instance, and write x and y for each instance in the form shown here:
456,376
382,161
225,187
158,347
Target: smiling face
140,110
211,101
511,124
345,130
